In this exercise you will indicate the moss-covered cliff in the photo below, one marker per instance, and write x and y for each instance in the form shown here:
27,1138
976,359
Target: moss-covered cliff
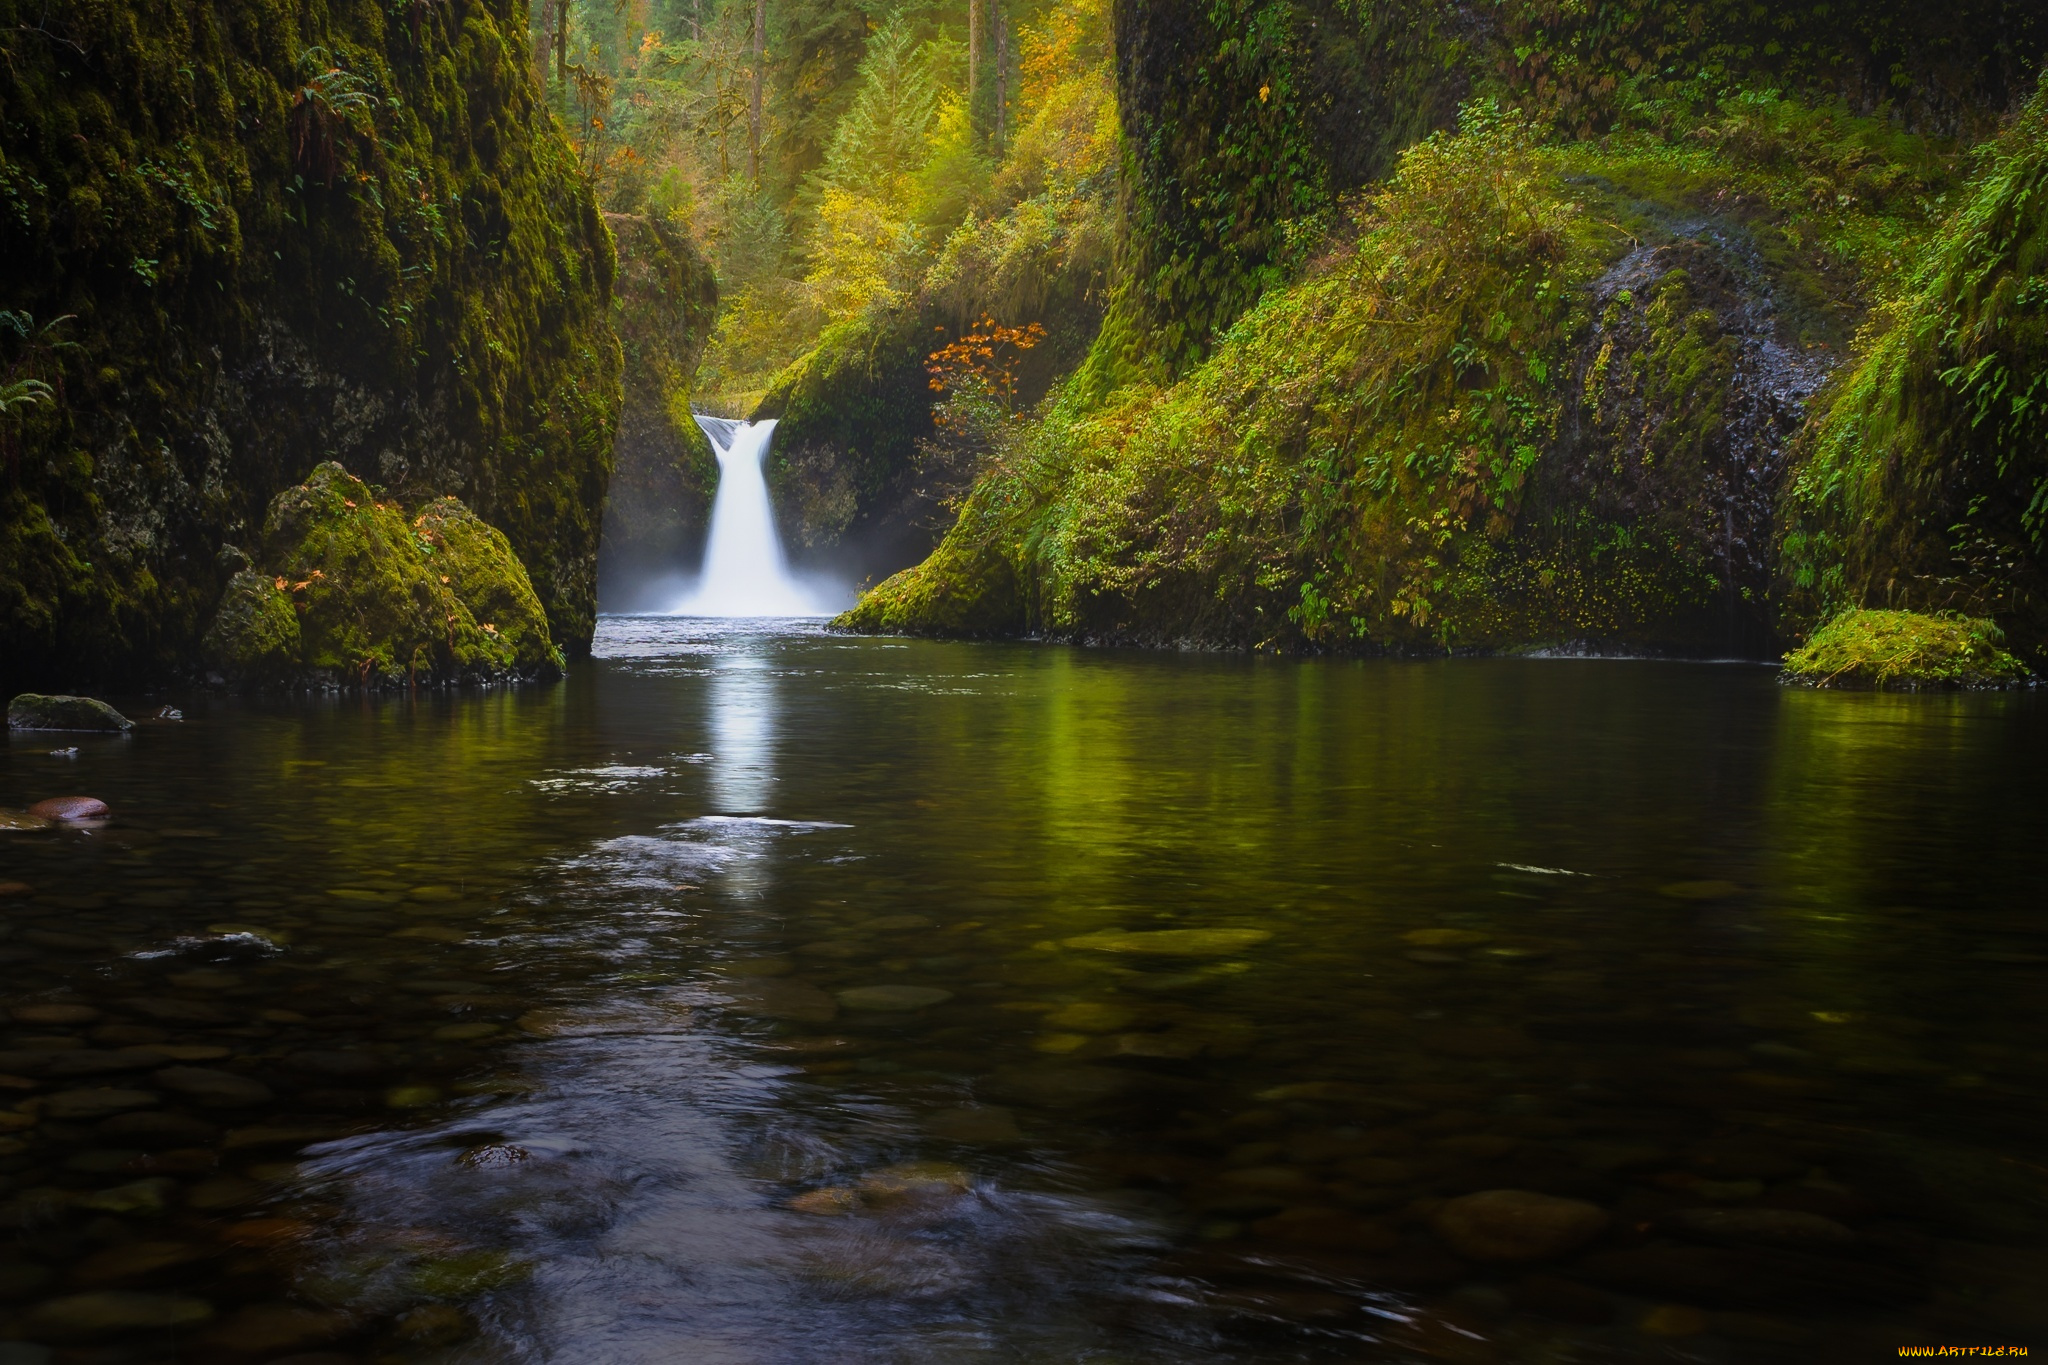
1541,386
663,471
1925,484
245,238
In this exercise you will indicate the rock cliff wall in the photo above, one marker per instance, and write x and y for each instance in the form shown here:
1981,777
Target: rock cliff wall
664,474
245,238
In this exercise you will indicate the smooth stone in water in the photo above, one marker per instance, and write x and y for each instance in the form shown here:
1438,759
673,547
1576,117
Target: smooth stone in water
1766,1227
1517,1225
131,1262
146,1197
1699,891
262,1329
214,1089
69,808
771,997
888,999
83,1317
1092,1016
339,1062
431,1325
35,711
1444,938
1172,942
95,1104
914,1180
158,1130
983,1124
1673,1320
834,1202
1058,1087
223,1192
886,924
55,1014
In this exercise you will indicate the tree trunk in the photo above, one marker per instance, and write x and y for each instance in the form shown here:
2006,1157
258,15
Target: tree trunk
562,42
973,65
542,41
1002,72
754,105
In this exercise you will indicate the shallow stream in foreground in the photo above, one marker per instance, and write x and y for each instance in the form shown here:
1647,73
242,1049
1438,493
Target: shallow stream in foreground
773,996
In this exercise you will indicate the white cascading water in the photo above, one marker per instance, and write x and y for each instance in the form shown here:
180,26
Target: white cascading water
744,572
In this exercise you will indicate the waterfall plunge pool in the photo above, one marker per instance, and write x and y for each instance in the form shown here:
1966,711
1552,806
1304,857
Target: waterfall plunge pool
769,995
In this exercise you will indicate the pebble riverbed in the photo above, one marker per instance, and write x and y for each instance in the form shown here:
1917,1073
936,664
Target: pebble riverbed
762,995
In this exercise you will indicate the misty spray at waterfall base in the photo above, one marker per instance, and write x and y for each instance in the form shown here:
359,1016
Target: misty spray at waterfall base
744,572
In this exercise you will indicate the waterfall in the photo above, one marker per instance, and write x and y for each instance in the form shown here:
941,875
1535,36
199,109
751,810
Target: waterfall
744,572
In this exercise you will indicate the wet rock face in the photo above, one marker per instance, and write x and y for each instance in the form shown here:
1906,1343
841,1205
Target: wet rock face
663,472
1684,396
32,711
215,346
350,590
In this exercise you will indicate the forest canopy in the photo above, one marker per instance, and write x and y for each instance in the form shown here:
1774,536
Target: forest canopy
836,161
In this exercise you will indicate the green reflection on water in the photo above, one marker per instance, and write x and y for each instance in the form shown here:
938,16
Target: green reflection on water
1664,938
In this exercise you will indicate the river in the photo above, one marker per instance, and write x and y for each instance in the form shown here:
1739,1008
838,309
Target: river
769,995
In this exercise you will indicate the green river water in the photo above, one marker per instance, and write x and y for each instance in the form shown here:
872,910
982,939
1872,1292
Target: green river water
765,995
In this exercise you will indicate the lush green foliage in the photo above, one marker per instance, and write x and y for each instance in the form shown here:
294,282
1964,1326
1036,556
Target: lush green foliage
1518,396
1363,461
1904,650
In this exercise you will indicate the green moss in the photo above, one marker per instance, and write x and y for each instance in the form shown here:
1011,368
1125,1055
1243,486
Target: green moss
350,589
1925,483
1354,447
286,232
1904,651
255,637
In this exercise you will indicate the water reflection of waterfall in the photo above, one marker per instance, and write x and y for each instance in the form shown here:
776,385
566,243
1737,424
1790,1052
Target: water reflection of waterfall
742,730
744,570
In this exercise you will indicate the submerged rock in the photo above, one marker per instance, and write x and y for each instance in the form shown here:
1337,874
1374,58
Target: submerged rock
352,590
1517,1225
891,998
34,711
1766,1227
1172,942
83,1317
69,808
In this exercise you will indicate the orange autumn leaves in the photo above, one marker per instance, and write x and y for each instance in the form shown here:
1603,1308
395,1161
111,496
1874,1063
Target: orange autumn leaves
986,356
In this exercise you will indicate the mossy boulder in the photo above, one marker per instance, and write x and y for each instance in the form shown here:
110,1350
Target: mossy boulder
31,711
1904,651
351,589
965,588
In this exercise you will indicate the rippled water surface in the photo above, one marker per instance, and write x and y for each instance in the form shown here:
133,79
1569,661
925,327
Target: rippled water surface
772,996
